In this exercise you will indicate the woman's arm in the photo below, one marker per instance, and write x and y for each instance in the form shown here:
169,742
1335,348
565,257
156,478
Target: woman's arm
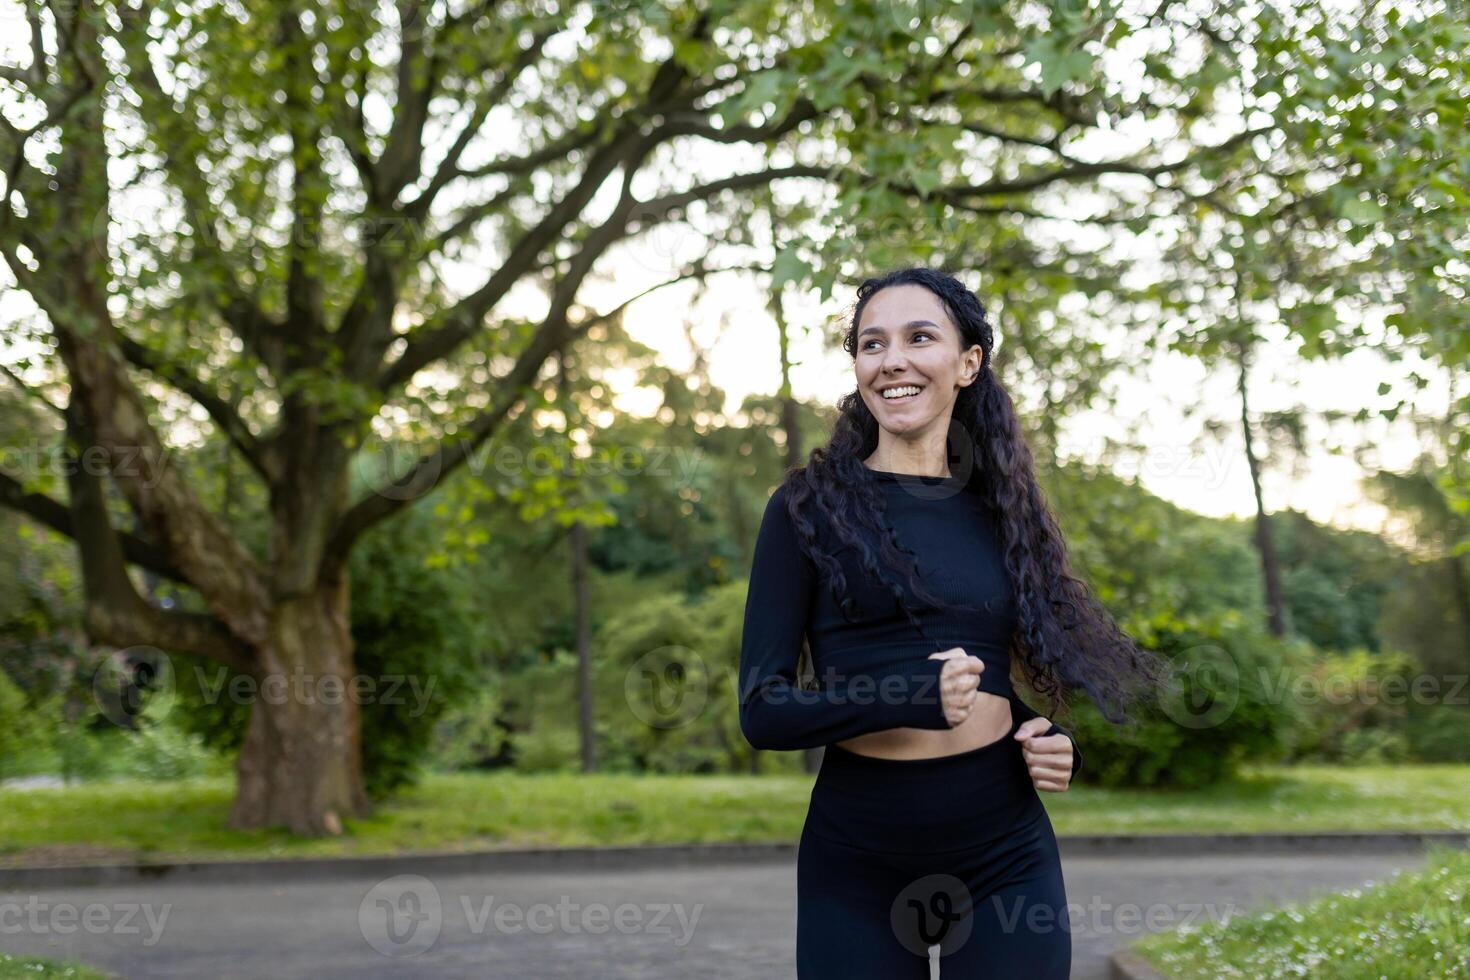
1022,713
774,712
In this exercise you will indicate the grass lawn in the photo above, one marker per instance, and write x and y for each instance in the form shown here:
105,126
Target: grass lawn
16,967
131,820
1414,926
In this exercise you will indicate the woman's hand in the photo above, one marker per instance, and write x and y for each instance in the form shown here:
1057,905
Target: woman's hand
958,683
1049,757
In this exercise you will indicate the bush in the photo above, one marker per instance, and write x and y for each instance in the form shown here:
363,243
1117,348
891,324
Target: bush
1438,733
662,691
1227,712
1374,747
546,749
473,732
19,731
1360,708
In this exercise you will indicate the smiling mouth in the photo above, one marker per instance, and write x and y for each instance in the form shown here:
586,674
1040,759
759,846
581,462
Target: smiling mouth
901,393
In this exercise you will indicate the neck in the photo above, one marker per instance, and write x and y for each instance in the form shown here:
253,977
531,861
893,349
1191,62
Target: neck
913,462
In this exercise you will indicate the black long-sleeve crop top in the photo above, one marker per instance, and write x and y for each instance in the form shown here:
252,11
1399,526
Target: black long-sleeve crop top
874,672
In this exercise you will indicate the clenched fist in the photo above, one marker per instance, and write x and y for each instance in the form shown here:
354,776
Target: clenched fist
958,682
1048,757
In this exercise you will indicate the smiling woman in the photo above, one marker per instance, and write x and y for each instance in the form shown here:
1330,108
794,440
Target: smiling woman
916,554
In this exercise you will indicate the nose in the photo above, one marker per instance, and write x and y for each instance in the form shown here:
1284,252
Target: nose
894,360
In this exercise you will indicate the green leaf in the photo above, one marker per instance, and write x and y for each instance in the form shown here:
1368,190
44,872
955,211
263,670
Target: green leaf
1361,211
789,267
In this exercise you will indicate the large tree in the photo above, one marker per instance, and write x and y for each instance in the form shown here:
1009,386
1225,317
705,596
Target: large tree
327,222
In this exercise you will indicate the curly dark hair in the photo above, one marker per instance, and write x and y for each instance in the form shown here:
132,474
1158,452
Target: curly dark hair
1065,639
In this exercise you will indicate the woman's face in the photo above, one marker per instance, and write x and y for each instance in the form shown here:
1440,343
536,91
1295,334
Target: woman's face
906,340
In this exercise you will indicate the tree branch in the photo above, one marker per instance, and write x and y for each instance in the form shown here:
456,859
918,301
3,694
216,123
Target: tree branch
958,192
552,335
57,516
115,613
448,168
222,412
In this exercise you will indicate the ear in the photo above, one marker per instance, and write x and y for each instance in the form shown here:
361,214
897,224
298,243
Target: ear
970,365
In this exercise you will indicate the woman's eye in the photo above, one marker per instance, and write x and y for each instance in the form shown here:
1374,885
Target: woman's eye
917,333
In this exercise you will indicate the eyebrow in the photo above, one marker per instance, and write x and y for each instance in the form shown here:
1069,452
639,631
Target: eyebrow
907,326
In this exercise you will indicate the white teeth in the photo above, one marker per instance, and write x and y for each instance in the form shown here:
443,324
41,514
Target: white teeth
900,392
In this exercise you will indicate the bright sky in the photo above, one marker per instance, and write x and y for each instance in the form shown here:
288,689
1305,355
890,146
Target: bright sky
1207,476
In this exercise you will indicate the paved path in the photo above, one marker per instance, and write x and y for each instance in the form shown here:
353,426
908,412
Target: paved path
716,921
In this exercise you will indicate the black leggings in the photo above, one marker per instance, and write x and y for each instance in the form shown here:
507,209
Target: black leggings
957,851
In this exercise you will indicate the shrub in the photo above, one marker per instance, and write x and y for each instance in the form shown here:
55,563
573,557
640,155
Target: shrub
1362,707
1438,733
1227,713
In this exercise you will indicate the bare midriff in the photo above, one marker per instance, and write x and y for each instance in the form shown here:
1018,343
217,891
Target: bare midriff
988,721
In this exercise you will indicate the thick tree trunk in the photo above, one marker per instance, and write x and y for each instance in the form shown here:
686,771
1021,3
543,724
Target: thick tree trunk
301,764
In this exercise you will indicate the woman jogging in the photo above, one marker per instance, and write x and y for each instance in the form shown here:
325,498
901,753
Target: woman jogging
917,557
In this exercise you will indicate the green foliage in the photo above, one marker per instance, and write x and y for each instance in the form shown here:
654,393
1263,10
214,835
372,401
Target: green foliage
1439,732
1349,705
1226,710
1374,747
72,741
1335,583
415,626
1367,708
18,728
472,730
663,690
